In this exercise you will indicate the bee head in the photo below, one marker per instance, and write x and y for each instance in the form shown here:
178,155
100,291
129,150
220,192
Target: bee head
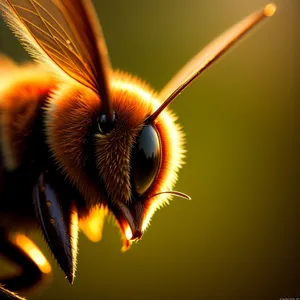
108,132
125,164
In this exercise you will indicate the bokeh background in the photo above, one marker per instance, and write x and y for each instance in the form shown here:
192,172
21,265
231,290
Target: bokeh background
239,238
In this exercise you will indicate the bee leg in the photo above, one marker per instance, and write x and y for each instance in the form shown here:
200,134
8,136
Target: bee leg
34,267
57,213
7,295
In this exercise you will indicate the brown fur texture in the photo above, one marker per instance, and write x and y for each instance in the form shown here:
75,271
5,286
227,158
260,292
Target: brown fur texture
22,93
69,117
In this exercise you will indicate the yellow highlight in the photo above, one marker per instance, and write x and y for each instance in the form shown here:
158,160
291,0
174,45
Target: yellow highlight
133,88
270,10
126,245
92,226
74,236
32,251
128,232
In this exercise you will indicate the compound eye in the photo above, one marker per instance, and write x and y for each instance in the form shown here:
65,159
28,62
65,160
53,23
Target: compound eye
145,160
104,126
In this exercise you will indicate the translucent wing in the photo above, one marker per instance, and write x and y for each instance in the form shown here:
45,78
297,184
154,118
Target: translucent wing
208,55
64,32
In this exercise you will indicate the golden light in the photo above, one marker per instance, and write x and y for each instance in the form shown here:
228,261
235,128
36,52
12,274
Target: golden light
126,245
92,226
32,251
270,10
128,232
74,235
133,88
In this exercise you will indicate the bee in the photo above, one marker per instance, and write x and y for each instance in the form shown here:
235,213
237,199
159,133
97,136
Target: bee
81,141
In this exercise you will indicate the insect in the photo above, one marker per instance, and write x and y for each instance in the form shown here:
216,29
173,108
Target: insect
80,140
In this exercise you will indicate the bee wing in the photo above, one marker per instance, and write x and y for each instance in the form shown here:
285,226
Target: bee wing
211,53
66,33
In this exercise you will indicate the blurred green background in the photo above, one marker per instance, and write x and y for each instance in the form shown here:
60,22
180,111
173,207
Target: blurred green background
239,238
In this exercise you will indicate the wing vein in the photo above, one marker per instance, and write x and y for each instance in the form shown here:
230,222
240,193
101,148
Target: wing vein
50,33
80,58
62,61
62,29
55,39
57,53
26,9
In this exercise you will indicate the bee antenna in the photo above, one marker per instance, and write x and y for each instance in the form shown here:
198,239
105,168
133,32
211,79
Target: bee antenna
211,53
166,103
173,193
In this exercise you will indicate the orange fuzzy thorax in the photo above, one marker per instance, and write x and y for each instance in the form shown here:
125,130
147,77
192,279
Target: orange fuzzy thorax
22,91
